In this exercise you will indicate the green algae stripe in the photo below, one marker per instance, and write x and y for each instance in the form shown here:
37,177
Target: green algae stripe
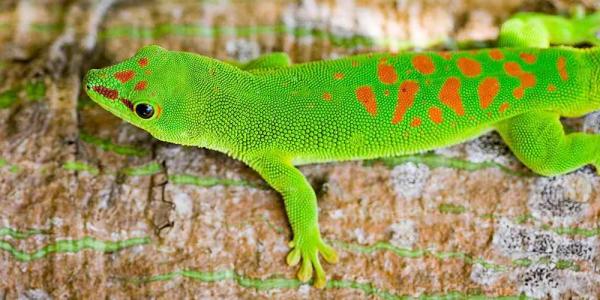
577,231
144,170
80,167
418,253
436,161
284,283
107,145
20,235
72,246
8,98
449,208
185,179
12,168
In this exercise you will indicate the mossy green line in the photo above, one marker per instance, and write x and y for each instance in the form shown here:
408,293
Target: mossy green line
20,235
418,253
80,167
184,179
284,283
35,90
143,170
577,231
107,145
32,91
435,161
12,168
72,246
8,98
449,208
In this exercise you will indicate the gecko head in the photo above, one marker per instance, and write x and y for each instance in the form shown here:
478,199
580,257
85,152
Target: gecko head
143,90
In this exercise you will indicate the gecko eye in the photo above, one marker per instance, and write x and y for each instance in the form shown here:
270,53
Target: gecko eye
144,111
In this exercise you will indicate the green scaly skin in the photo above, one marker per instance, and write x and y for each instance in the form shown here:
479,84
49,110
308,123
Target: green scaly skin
273,115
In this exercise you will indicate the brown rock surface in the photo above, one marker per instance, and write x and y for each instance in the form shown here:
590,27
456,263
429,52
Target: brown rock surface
91,207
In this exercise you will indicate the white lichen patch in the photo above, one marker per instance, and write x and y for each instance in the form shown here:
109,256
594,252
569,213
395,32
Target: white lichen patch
562,199
242,50
34,294
521,242
403,234
408,180
183,204
488,147
545,281
485,276
591,122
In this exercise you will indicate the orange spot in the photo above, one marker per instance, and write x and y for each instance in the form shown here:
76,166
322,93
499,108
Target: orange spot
423,64
551,88
447,55
406,98
327,96
496,54
386,73
338,76
561,64
503,107
143,62
435,114
366,97
527,79
124,76
469,67
488,90
450,96
528,58
415,122
141,85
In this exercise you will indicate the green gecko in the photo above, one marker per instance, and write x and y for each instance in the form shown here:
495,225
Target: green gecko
273,115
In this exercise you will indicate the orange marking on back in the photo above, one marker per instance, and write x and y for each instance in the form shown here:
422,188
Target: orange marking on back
503,107
338,76
496,54
527,79
469,67
416,122
406,98
327,96
423,64
143,62
528,58
450,96
366,97
551,87
124,76
435,114
386,73
447,55
488,90
561,64
141,85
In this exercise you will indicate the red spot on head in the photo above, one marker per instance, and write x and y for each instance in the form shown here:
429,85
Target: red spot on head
551,87
527,79
106,92
488,90
447,55
435,114
469,67
124,76
561,64
406,97
141,85
416,122
503,107
143,62
496,54
528,58
386,73
366,97
423,64
327,96
338,76
450,95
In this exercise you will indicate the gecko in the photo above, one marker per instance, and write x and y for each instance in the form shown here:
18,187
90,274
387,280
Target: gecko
274,115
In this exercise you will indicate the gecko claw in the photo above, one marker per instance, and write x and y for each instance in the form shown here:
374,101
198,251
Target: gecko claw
307,249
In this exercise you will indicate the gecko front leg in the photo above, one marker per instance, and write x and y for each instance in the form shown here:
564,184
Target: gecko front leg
302,211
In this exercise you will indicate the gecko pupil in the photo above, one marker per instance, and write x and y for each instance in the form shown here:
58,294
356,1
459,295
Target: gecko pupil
144,111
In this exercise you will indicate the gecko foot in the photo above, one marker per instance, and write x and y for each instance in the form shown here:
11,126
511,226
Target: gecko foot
306,247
